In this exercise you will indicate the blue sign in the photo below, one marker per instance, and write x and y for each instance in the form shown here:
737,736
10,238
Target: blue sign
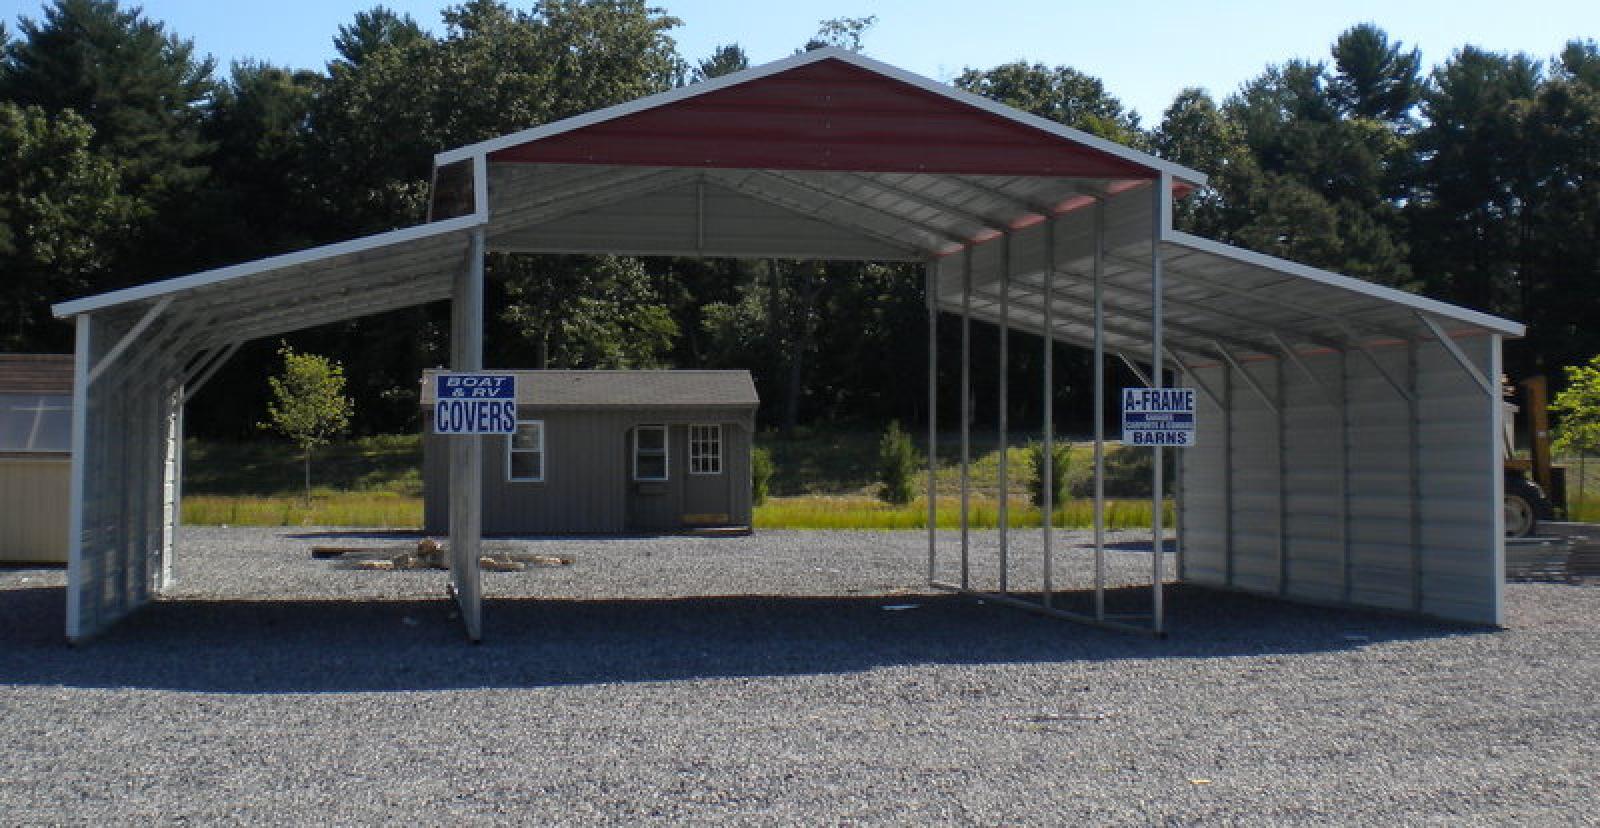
475,403
1158,417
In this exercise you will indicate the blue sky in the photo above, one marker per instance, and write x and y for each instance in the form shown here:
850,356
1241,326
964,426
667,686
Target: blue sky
1144,51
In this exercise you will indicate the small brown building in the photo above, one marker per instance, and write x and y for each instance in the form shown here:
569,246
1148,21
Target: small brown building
608,452
35,456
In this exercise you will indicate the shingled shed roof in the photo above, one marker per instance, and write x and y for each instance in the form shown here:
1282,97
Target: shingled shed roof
627,389
35,373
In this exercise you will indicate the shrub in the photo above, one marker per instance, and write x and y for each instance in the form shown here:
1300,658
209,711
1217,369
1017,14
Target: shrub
1127,474
760,475
897,465
1059,469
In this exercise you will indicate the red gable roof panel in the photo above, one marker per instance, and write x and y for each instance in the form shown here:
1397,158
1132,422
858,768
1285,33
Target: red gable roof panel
827,115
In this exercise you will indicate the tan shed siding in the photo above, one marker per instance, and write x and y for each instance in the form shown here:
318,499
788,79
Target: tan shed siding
34,493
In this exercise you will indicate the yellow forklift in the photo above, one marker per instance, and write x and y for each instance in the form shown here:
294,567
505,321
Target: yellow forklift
1536,489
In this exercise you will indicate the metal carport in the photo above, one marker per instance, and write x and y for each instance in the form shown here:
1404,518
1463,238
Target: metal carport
1349,443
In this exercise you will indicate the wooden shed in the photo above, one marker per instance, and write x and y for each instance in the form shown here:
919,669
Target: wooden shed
609,452
35,457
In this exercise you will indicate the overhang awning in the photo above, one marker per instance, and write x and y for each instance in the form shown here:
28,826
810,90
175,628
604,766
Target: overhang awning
294,291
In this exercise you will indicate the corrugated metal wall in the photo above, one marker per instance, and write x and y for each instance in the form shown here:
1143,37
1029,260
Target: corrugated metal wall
586,474
1372,501
35,496
122,544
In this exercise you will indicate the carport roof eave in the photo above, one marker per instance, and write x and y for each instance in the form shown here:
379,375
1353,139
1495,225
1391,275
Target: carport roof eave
1155,165
313,255
1420,304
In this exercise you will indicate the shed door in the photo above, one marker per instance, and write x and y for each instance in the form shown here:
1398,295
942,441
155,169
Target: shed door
705,482
652,477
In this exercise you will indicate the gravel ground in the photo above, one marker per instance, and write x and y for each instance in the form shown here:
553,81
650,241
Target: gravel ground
775,679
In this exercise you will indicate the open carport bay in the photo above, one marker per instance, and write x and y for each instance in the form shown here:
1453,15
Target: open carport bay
255,692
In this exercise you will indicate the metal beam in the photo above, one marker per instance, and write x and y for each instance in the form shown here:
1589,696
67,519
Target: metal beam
940,233
1179,327
984,223
933,418
813,211
1005,364
1460,357
1047,473
466,453
966,409
1266,398
1132,366
1316,381
1099,255
1377,365
1253,294
1192,379
128,339
1159,222
79,472
227,354
1236,322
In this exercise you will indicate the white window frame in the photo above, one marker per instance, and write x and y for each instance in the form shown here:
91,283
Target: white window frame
666,453
714,441
511,441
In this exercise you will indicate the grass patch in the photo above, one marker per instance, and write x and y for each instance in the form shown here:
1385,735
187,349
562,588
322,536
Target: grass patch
823,479
858,512
384,463
386,510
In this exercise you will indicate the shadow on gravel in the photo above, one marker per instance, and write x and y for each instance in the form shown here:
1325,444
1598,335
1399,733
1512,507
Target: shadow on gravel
347,646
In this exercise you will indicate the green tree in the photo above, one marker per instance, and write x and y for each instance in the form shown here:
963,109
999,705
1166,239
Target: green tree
1374,78
308,405
585,311
725,60
1061,465
1578,408
841,33
1474,178
62,217
897,465
140,87
760,475
1061,94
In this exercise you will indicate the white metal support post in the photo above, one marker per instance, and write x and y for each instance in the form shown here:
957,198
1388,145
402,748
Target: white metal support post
966,413
1414,471
1280,421
930,270
466,453
1000,416
1047,472
1345,587
80,446
1099,411
1159,219
1497,483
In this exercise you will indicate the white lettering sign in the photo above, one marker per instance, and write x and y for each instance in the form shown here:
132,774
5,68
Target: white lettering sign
475,403
1158,417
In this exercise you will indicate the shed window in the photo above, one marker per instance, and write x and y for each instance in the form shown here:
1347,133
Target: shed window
650,452
525,452
705,449
35,422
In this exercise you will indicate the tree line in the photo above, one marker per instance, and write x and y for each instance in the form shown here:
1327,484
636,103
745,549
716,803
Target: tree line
126,155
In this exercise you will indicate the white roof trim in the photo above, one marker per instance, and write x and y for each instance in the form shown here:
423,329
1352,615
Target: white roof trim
1361,286
165,287
484,148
